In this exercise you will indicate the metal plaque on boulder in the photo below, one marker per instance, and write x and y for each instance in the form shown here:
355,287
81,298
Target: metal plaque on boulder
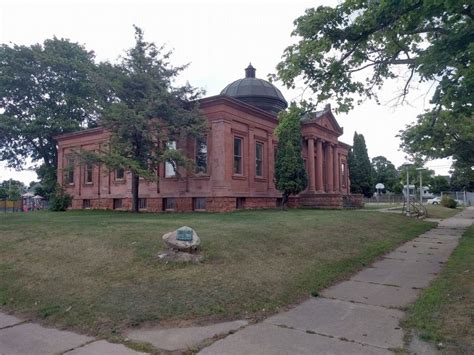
184,234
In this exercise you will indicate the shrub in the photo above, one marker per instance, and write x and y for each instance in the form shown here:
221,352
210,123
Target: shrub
59,200
448,202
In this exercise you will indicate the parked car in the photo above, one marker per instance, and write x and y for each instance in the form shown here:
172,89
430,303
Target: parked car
434,201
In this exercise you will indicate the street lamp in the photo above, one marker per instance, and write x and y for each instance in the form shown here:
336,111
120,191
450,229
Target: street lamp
421,185
407,165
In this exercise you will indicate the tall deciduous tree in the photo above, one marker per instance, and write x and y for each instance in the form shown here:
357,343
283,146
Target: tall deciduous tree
360,170
348,51
45,90
148,115
385,173
290,172
439,184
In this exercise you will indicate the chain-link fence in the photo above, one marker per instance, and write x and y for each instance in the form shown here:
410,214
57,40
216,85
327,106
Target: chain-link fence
462,197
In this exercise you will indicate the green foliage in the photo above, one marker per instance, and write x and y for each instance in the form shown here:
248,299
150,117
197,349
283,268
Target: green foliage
448,202
290,173
385,172
11,189
346,53
439,184
45,90
360,169
462,177
59,200
146,112
414,174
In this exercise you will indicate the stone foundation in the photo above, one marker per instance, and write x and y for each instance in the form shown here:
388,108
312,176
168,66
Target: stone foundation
353,201
226,204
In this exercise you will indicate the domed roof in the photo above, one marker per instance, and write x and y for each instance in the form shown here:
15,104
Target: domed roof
256,92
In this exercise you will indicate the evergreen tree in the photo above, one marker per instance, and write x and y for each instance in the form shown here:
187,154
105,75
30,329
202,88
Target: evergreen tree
147,115
360,170
290,173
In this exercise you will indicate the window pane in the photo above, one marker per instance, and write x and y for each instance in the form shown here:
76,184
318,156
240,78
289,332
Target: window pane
89,171
169,170
70,171
142,203
237,156
201,156
259,159
169,165
200,203
119,174
117,203
170,203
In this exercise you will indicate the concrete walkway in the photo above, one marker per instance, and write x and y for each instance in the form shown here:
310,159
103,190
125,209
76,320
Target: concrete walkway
358,316
18,337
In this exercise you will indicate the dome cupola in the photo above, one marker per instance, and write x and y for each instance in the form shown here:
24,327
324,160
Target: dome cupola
256,92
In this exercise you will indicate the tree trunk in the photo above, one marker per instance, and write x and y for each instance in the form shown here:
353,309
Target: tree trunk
135,186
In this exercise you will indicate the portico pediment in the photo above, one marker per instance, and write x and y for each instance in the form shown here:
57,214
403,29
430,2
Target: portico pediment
324,121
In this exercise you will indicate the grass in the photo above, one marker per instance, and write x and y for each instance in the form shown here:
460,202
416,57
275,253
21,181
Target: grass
381,205
445,311
97,271
438,211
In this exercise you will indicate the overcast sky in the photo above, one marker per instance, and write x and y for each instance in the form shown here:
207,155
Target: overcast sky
217,38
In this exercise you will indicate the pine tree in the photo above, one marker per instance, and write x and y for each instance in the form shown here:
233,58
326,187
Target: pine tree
360,169
148,115
290,173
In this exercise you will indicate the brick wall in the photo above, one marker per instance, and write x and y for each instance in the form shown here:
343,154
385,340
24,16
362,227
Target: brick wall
220,204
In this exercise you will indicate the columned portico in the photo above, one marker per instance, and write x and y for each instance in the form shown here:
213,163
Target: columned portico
319,163
336,166
329,168
311,172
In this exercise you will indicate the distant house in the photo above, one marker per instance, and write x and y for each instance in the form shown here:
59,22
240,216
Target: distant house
234,164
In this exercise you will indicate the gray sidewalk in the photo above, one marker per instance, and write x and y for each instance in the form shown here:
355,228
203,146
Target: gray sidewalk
358,316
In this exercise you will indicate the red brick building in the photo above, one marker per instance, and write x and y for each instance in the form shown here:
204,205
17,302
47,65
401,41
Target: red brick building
234,166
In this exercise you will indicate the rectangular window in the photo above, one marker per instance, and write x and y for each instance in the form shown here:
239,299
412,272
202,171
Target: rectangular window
259,159
117,203
170,170
86,204
201,156
238,156
119,174
240,203
70,171
142,203
199,203
88,173
169,204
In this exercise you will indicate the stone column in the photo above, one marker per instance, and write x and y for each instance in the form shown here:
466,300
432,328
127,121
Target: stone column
319,162
337,167
330,168
312,180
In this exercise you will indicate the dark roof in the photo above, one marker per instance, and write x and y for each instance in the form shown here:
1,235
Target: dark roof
256,92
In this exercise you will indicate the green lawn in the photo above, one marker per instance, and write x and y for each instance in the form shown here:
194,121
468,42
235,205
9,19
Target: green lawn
438,211
97,271
445,311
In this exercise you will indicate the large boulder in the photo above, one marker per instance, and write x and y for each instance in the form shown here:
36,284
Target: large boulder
183,239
